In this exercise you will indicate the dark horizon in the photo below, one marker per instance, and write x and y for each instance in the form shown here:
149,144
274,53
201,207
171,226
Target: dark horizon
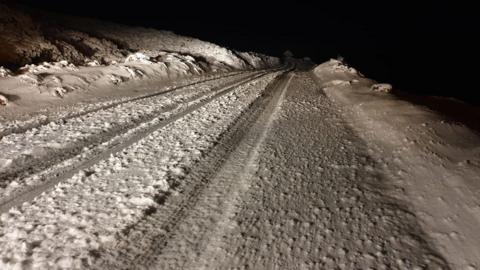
427,48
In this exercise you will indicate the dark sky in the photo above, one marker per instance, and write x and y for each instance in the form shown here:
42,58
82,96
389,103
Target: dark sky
428,47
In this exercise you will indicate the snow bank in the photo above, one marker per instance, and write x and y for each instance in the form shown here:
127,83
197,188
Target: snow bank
335,70
79,40
432,161
67,55
61,78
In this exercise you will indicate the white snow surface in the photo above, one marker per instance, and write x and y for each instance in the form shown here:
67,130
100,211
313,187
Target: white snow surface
66,226
86,131
432,161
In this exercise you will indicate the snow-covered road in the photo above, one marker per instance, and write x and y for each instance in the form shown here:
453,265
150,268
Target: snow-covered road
251,170
301,200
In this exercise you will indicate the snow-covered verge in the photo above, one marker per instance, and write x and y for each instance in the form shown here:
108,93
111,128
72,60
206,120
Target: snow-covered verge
433,162
52,37
36,83
53,55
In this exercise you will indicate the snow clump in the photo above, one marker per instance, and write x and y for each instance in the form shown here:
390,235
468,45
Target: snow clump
382,87
139,58
92,63
57,66
340,66
5,72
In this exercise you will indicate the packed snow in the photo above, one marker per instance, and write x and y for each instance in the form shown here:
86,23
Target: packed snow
66,138
114,207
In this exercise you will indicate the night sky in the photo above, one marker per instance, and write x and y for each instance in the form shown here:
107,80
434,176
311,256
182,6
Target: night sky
426,48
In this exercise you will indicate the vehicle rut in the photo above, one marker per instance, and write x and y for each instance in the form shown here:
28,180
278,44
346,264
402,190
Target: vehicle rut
166,222
55,172
24,127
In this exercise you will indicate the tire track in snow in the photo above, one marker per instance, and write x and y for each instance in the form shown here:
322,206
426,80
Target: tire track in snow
264,125
16,127
24,156
213,212
72,225
65,171
166,223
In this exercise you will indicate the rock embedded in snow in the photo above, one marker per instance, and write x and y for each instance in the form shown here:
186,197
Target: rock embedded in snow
3,100
382,87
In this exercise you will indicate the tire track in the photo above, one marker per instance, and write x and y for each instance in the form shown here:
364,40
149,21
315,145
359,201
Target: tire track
71,224
26,165
242,161
66,170
169,222
26,126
